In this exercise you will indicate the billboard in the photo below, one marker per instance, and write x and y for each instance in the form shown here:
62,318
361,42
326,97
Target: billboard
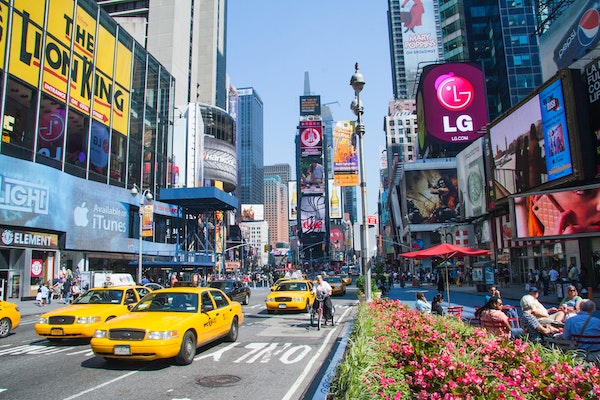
293,200
570,37
431,196
419,38
311,138
570,212
452,103
591,78
310,105
345,157
531,145
312,175
471,180
95,89
335,200
312,214
253,212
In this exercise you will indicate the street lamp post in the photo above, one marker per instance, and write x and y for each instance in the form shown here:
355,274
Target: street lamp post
145,195
357,81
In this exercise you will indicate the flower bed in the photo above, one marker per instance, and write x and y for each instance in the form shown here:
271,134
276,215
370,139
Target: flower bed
398,353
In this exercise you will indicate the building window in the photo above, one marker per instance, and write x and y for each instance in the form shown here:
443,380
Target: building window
18,126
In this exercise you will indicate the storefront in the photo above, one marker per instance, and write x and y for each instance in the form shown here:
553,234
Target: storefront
28,258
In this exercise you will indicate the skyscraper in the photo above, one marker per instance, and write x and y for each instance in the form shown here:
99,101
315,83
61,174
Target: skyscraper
276,209
415,37
187,37
250,147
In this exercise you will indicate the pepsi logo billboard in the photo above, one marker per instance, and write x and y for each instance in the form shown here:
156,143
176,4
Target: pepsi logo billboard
454,103
582,35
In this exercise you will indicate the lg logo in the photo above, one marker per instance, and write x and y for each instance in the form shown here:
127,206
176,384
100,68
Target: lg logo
455,94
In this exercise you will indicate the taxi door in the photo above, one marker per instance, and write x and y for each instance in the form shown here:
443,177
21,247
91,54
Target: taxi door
224,310
207,329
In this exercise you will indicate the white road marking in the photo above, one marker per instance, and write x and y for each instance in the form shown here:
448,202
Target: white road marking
101,385
310,364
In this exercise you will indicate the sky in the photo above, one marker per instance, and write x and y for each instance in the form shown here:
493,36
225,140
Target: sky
272,43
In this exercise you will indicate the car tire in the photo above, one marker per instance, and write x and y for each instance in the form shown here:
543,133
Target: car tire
246,300
233,331
187,352
5,326
307,307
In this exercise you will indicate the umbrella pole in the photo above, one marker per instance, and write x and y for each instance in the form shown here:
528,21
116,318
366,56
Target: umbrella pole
447,282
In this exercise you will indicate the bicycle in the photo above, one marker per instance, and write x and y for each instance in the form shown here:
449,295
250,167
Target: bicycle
318,313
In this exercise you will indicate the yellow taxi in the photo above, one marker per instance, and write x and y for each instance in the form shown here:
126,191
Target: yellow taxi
10,317
347,279
92,308
277,282
170,323
338,287
292,294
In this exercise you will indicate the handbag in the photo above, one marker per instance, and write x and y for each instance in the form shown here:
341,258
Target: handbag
566,344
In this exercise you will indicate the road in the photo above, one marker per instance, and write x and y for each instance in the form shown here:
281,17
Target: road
276,357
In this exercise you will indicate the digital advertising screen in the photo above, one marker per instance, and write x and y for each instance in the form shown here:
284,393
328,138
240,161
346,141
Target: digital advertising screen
571,212
531,146
432,196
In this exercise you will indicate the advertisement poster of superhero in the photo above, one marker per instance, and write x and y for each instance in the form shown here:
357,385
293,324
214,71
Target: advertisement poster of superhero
312,175
432,196
345,157
312,214
419,36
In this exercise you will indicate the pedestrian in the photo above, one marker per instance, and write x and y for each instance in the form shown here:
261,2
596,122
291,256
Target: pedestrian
436,304
66,288
440,283
75,290
39,297
46,294
422,305
553,275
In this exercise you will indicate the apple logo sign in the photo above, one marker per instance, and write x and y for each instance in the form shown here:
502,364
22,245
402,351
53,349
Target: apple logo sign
81,216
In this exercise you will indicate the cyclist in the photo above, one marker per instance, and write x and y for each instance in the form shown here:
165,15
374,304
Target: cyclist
322,289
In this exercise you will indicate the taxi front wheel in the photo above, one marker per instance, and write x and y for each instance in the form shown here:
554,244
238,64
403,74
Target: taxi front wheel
187,350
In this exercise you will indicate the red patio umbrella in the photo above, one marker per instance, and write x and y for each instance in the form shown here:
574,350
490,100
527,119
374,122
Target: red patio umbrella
446,251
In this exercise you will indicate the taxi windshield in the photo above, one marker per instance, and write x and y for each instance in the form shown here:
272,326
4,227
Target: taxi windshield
100,297
291,286
168,302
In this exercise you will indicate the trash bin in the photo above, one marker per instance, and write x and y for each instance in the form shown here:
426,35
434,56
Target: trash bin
561,288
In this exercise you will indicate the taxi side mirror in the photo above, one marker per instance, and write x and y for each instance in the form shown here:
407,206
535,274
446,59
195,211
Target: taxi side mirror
207,307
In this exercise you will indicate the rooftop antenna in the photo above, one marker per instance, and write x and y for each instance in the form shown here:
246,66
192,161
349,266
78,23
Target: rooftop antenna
306,84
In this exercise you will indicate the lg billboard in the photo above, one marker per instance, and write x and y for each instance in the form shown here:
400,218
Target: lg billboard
451,103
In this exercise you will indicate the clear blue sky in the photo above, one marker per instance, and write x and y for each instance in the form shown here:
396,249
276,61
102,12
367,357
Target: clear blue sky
272,43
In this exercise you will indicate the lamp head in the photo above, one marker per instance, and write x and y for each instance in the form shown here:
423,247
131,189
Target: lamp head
134,190
357,81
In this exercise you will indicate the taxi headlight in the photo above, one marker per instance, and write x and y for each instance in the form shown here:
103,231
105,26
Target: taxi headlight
162,335
100,334
88,320
43,320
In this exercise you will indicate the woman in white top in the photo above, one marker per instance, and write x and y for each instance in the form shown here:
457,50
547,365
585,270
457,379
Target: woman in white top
422,304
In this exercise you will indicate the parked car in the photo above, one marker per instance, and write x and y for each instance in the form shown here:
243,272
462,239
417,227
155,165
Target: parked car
92,308
170,323
337,285
292,294
234,288
10,317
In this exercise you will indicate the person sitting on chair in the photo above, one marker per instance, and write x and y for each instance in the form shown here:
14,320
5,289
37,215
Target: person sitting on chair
583,323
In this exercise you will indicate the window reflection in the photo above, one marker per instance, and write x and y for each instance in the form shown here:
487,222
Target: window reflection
18,125
77,140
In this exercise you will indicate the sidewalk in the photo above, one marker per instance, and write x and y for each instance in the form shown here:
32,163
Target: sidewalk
29,307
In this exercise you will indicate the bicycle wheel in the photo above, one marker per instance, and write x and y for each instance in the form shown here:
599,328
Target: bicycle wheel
319,317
